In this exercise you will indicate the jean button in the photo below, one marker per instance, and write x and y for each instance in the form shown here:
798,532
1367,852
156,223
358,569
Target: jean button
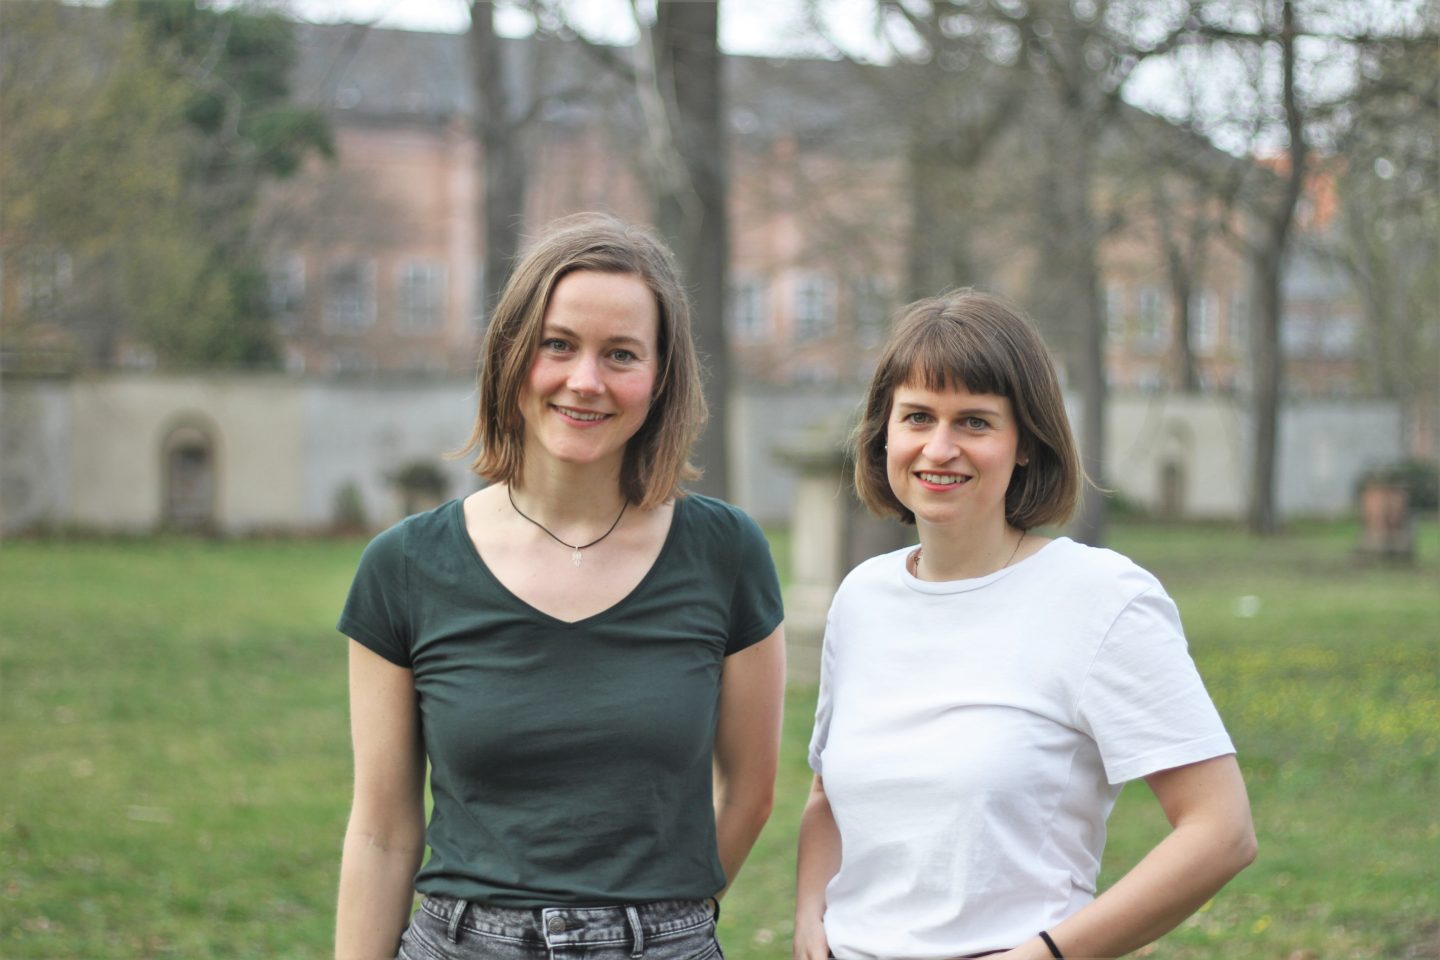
555,925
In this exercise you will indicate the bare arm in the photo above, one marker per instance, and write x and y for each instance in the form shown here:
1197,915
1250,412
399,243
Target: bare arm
1212,839
386,834
747,747
818,860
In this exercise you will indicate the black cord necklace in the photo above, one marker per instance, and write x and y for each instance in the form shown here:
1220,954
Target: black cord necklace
575,557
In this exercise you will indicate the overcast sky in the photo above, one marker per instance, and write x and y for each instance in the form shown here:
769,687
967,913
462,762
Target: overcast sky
746,27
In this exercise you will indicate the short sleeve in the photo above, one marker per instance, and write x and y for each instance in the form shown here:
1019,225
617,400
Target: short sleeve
1143,701
376,612
824,704
756,608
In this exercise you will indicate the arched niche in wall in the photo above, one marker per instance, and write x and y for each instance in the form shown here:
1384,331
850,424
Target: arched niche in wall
1178,450
189,471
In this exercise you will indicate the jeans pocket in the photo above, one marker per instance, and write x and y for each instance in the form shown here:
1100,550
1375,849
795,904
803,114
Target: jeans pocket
419,941
699,944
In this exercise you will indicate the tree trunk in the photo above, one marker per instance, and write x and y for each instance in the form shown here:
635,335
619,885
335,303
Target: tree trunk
1187,377
1268,260
690,210
503,156
1267,365
1183,235
1081,237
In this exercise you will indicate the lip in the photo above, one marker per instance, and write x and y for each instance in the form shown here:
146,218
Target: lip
587,418
920,475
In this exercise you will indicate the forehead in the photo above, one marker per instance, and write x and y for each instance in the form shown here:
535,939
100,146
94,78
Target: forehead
595,295
956,396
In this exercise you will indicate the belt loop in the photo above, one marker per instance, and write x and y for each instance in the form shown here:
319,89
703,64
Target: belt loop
715,908
456,915
638,935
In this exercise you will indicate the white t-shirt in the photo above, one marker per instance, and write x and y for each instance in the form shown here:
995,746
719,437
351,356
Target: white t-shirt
973,736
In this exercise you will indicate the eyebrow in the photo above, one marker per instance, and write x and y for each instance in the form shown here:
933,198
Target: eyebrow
967,412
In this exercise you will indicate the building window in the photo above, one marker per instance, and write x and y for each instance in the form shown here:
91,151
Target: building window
1239,327
1298,333
45,275
748,320
1340,336
350,296
1115,312
870,301
1150,318
287,290
814,306
1204,326
420,297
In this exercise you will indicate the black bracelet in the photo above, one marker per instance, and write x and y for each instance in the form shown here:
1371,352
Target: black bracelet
1054,950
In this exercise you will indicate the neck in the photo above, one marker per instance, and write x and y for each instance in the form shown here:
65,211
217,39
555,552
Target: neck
946,555
570,497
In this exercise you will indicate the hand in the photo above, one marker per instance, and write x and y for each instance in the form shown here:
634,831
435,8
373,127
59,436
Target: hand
810,942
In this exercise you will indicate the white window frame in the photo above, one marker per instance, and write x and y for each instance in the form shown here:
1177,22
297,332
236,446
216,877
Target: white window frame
1237,330
287,290
44,276
1150,318
1298,334
350,310
748,307
1340,336
1204,322
1115,309
814,305
420,296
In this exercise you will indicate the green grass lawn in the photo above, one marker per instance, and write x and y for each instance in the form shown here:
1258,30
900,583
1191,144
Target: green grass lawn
174,760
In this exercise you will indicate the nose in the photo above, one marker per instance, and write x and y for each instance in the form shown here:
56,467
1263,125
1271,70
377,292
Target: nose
940,447
584,376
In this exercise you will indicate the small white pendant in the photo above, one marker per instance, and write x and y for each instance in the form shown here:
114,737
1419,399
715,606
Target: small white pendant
575,558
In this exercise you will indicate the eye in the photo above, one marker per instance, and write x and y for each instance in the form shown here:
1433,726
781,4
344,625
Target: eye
976,423
916,416
554,344
623,356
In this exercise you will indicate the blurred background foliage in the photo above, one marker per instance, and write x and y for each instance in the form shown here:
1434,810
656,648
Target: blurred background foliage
136,142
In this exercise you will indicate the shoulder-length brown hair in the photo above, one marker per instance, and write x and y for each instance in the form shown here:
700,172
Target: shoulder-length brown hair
976,341
657,458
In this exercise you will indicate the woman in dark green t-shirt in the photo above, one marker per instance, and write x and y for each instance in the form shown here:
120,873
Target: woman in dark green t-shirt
573,649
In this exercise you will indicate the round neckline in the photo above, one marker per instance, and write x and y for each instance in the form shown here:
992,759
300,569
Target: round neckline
971,583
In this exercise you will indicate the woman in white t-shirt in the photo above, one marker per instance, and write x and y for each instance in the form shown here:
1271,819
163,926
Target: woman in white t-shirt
984,697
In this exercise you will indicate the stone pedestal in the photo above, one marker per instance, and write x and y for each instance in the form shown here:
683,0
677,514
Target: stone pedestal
1387,525
830,532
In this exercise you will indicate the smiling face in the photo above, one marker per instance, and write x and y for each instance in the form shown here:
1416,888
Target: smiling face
593,374
950,454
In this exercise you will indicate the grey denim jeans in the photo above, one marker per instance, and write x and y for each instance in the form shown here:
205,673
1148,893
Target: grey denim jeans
448,929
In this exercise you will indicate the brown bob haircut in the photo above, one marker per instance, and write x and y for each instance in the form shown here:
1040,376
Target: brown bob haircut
971,340
657,458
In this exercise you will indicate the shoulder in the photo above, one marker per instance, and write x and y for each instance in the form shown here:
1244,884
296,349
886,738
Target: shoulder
713,517
878,572
1094,570
413,533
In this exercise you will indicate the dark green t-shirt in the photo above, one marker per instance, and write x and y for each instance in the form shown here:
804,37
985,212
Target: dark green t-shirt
569,762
